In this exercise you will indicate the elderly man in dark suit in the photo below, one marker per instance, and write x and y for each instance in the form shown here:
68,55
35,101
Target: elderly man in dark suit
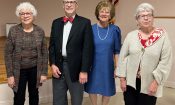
70,54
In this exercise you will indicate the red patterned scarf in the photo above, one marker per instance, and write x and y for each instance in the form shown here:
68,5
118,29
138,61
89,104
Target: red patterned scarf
155,35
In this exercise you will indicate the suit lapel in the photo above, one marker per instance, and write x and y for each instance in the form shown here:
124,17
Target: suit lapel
74,27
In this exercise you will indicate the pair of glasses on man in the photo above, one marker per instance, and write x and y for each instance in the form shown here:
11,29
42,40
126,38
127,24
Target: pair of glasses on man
69,2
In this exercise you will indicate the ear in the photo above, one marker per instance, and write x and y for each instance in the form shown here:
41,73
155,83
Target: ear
76,5
137,22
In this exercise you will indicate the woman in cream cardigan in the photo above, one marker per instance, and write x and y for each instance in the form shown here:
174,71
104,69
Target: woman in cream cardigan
145,60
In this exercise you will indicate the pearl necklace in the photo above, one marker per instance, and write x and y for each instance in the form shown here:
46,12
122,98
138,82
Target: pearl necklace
99,34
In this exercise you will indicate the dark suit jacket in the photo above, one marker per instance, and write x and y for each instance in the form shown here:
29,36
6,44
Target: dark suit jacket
79,46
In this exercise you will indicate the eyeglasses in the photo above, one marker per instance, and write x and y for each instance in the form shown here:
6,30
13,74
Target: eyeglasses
69,2
103,11
148,16
25,14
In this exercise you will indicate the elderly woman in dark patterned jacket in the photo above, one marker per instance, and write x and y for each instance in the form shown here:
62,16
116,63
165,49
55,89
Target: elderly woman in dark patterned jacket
145,60
26,56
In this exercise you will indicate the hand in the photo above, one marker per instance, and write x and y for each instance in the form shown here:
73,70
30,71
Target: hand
123,84
115,74
55,71
11,81
83,77
153,88
43,79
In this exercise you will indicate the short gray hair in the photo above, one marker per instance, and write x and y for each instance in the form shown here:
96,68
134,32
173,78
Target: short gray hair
26,6
144,7
75,0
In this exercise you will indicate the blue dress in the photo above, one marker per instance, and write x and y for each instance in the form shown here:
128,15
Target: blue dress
107,42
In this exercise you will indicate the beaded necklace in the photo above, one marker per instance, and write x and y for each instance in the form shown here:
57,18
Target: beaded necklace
99,34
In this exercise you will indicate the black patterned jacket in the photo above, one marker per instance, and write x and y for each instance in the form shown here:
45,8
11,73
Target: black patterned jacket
12,53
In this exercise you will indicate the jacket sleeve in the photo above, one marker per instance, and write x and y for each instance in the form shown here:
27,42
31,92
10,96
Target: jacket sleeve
164,66
122,62
52,46
8,54
44,56
87,52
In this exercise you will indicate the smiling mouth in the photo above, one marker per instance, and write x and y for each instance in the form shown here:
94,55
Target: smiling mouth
69,9
26,19
146,22
104,17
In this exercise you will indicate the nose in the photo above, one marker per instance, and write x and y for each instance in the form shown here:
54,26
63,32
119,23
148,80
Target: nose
145,17
68,4
25,15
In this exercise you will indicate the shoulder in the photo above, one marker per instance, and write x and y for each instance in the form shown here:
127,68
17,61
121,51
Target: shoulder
38,27
38,30
57,20
83,19
161,32
132,35
94,25
15,27
115,27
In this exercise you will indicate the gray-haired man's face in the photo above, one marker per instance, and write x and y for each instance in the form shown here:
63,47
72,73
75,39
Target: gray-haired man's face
70,7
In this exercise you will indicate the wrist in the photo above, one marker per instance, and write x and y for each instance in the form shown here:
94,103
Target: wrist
122,79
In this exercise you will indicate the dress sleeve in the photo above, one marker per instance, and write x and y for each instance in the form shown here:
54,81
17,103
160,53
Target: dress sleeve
117,40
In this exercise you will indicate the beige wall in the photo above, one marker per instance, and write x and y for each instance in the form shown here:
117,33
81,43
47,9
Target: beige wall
126,10
47,11
51,9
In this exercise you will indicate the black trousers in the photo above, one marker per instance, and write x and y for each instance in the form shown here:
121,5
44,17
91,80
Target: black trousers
27,76
62,85
134,97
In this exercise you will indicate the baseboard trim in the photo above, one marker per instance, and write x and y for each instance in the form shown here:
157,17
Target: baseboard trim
170,84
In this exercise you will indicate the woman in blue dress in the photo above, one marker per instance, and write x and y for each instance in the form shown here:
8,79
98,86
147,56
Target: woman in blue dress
107,43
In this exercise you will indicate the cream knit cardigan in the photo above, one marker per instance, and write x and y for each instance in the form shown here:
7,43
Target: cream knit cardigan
155,62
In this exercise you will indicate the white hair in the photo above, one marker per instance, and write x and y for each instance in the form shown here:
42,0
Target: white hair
75,0
144,7
66,0
26,6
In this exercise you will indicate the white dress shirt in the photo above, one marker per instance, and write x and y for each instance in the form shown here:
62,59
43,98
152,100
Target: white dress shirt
66,32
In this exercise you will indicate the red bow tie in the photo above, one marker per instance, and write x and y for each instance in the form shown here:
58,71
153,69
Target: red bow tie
66,19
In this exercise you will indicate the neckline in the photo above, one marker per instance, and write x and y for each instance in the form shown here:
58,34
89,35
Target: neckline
153,38
98,32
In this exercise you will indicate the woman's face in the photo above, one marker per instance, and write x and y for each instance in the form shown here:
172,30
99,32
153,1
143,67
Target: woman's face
104,14
26,17
145,19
